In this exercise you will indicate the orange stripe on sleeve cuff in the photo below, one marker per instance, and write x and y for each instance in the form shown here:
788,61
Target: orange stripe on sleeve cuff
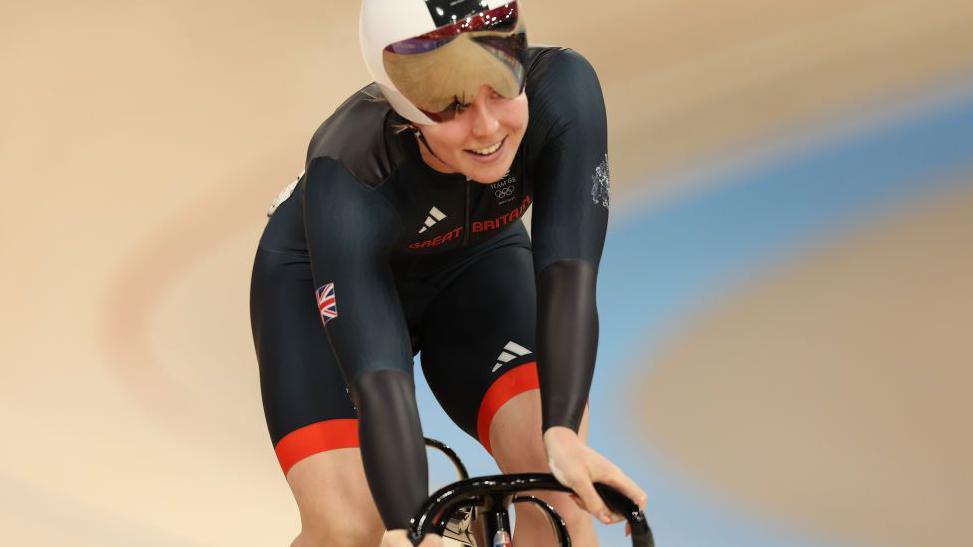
508,386
314,438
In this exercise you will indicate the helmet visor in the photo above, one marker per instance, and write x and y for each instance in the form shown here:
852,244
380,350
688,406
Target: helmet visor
446,67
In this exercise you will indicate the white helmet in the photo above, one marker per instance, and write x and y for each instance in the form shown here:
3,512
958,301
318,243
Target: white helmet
429,55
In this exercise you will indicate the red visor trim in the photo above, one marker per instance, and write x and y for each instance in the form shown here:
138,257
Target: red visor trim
485,20
513,383
314,438
502,19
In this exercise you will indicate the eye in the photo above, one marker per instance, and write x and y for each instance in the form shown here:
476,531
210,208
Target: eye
458,107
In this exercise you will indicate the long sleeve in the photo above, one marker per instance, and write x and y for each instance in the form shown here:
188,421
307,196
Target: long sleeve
569,225
349,228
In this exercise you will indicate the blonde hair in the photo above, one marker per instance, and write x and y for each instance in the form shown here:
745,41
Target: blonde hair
380,98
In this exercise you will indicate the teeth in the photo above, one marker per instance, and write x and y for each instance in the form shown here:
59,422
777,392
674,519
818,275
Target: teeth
488,150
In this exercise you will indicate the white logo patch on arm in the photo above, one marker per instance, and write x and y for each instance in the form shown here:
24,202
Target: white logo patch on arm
601,187
283,195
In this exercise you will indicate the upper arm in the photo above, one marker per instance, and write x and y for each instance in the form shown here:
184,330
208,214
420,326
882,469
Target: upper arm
571,169
349,229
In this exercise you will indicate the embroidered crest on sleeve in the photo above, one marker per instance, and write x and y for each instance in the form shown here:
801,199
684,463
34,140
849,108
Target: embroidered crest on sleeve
600,189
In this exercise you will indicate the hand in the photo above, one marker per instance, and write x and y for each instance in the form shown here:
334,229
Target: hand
577,466
400,538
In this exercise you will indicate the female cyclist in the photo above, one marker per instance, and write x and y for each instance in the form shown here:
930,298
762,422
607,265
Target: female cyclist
404,236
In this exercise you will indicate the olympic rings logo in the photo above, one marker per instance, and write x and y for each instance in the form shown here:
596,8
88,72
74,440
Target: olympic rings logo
504,192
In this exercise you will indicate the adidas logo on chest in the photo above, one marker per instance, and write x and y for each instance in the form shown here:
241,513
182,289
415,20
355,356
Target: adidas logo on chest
434,216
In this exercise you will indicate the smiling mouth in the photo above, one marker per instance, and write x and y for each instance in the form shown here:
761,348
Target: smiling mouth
488,151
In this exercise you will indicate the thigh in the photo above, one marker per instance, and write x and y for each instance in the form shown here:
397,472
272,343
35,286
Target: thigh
518,447
306,404
517,436
478,338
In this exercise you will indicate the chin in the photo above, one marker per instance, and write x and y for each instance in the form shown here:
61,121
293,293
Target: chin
490,174
482,178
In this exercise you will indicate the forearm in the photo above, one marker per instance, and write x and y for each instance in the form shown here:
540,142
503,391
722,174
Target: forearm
392,447
567,330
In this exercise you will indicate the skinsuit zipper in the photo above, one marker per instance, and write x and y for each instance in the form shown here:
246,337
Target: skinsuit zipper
466,226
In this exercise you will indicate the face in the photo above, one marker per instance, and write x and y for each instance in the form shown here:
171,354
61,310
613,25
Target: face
481,140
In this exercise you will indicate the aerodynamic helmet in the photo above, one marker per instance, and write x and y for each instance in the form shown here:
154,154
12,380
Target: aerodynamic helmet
428,56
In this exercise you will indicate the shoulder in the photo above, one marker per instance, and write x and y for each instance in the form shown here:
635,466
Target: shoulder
333,196
563,95
359,136
553,69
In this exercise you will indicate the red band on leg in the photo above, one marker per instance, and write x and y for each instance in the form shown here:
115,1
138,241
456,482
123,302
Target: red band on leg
508,386
314,438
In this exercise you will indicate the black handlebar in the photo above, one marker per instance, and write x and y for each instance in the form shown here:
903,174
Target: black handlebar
493,494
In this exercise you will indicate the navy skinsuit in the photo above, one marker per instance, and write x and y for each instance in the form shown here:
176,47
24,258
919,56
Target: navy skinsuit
394,259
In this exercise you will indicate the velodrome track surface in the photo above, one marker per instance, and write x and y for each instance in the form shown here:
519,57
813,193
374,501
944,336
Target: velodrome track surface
762,372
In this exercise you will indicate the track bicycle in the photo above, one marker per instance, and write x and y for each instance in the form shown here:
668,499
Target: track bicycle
475,511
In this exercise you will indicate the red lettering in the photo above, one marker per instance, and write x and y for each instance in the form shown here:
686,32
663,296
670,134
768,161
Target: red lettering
490,225
477,226
438,240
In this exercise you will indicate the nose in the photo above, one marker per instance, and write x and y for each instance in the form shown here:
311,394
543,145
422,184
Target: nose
485,124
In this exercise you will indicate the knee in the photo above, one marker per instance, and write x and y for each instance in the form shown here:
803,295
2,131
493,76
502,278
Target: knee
523,455
515,436
342,515
335,504
338,530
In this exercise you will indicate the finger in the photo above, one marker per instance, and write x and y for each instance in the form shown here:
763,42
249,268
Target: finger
617,479
393,538
578,501
431,540
391,541
628,529
592,501
400,538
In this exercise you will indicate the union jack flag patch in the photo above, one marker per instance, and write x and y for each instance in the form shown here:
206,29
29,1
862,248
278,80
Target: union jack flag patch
327,304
